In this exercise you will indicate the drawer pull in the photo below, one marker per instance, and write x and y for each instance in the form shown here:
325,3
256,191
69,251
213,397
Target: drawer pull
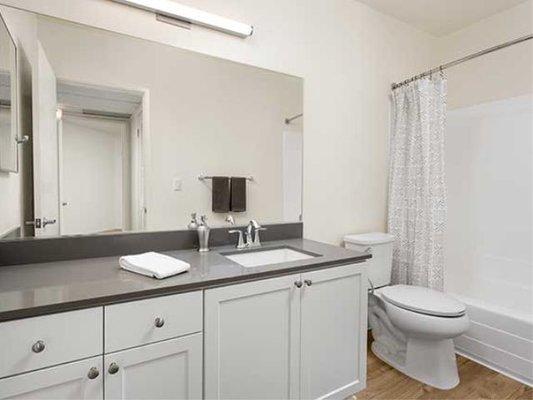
38,346
159,322
93,373
113,368
308,282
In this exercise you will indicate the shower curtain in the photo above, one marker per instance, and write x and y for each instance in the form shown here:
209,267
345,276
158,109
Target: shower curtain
417,191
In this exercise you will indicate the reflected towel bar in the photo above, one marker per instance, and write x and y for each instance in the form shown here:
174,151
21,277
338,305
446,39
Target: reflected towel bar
204,177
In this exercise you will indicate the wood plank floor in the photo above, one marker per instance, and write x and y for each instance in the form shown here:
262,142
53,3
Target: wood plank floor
477,382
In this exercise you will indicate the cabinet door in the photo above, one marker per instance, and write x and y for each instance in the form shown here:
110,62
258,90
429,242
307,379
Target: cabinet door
165,370
333,342
252,334
76,380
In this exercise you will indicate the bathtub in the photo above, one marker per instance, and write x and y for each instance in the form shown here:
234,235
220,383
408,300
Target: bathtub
499,338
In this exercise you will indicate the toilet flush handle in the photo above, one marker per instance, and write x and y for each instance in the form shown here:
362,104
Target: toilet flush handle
371,286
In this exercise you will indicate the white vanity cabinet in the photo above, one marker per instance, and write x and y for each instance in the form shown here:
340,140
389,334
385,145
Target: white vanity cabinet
298,336
171,369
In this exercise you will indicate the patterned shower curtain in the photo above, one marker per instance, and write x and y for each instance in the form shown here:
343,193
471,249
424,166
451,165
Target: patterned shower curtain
417,190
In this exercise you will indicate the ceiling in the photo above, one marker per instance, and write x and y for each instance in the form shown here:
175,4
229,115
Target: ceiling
441,17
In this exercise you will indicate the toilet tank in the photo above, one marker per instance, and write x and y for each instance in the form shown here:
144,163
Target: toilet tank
380,245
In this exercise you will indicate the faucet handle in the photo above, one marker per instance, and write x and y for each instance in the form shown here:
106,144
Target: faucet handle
254,224
240,244
257,241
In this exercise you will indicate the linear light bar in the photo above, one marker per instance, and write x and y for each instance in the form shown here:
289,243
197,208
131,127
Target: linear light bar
174,10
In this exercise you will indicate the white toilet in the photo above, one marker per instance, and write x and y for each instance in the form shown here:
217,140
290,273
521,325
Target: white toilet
413,327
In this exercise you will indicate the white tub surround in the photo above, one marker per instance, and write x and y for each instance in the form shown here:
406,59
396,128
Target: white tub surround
499,338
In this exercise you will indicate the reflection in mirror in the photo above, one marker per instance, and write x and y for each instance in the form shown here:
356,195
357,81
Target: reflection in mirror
10,181
8,100
123,128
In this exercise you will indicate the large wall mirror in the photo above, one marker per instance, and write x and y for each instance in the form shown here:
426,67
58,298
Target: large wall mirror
124,130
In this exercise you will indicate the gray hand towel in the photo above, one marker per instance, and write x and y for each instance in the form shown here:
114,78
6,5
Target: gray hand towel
238,194
220,194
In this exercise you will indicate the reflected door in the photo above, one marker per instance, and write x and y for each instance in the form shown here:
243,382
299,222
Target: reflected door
93,182
45,147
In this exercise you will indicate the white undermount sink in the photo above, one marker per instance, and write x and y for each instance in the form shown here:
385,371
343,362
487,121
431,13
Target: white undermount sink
256,258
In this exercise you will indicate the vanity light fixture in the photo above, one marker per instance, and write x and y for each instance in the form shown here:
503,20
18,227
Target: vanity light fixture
172,9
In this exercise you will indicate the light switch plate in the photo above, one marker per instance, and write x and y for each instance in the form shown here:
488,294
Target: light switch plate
176,184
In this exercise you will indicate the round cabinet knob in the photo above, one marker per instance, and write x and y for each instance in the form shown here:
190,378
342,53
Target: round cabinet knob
308,282
93,373
38,346
113,368
159,322
298,284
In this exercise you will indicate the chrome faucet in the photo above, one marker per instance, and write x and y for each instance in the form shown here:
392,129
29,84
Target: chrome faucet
251,233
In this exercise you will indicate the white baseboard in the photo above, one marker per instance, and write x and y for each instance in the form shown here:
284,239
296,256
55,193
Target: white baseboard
504,347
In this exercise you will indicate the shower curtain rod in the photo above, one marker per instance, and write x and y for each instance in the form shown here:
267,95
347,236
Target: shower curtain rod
462,60
289,120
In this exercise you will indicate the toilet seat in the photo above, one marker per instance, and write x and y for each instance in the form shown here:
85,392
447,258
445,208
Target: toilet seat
422,300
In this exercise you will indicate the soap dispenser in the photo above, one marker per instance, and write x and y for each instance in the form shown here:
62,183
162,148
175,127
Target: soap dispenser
203,234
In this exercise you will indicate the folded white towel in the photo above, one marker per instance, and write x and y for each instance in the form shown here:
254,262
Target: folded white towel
153,264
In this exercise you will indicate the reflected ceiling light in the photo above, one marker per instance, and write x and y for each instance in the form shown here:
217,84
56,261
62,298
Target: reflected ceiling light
172,9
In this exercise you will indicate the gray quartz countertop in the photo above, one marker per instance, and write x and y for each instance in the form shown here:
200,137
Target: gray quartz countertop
37,289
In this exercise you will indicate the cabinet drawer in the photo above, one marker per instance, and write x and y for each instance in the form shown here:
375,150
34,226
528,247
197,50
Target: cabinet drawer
39,342
146,321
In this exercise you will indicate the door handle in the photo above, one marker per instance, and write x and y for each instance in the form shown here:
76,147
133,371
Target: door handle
40,223
47,221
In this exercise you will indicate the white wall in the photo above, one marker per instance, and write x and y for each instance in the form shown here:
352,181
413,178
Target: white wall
348,55
503,74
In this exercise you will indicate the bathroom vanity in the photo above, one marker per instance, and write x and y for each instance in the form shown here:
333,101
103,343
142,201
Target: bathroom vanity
86,329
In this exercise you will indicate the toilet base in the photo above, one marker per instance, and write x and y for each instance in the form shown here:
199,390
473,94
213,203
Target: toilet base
429,361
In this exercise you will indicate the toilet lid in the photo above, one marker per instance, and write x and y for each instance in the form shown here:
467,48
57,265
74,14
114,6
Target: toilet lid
423,300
